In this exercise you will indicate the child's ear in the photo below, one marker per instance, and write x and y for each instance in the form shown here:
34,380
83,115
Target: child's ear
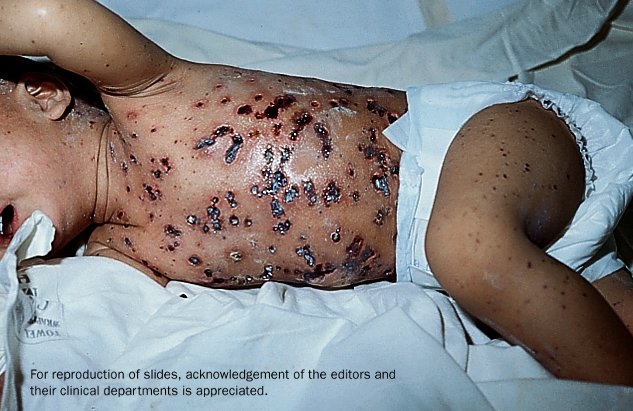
50,93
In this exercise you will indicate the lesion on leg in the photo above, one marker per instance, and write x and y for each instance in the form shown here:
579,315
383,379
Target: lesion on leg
511,182
617,289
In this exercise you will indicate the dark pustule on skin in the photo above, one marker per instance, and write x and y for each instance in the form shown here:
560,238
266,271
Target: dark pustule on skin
319,272
331,194
245,109
280,103
214,214
376,108
151,193
323,134
276,208
381,184
300,121
283,227
291,194
172,231
360,257
232,151
309,190
306,254
230,198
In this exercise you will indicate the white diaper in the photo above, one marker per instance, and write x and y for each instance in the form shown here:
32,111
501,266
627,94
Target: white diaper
435,115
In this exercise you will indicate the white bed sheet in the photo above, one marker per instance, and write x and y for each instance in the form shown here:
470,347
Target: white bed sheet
314,25
99,314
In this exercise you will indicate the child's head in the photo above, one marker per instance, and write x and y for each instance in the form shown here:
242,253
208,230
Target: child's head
50,123
83,93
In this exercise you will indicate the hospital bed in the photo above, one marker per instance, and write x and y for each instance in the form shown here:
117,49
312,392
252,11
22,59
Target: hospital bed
91,333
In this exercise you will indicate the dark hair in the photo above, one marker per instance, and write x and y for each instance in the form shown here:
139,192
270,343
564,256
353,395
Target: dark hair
82,90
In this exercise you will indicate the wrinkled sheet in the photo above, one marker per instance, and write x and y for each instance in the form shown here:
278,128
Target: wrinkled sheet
95,314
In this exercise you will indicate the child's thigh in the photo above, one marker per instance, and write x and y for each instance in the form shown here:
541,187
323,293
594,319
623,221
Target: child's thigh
515,167
511,182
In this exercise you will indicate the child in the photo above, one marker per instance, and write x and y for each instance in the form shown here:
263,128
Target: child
229,178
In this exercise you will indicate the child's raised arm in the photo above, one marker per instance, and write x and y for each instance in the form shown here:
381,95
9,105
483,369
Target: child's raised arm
84,37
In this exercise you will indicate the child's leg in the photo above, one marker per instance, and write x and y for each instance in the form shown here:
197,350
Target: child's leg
511,182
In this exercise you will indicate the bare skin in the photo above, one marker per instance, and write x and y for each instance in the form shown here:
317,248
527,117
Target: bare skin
229,178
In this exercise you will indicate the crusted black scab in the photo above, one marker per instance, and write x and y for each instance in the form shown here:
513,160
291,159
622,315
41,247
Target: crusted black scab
279,103
355,247
153,194
331,194
234,220
323,134
336,235
214,214
201,103
204,143
284,101
245,109
276,208
286,153
375,107
277,129
340,102
310,192
231,152
209,141
372,134
381,183
291,194
223,130
267,274
172,231
271,112
319,272
360,258
305,252
283,227
230,198
278,180
300,121
379,219
166,165
370,152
